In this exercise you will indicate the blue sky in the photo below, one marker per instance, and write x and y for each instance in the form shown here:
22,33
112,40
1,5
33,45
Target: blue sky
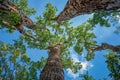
96,67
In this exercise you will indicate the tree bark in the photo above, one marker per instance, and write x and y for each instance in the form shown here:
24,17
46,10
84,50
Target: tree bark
77,7
53,69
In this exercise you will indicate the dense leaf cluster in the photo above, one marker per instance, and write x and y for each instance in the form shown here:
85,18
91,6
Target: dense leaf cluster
113,63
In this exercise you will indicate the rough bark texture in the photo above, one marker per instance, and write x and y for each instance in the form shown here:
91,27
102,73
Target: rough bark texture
77,7
53,69
107,46
7,6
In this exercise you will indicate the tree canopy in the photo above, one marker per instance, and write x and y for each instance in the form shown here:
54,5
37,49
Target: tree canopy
15,63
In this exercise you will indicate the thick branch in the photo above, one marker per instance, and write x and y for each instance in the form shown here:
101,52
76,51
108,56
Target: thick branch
7,6
107,46
27,22
78,7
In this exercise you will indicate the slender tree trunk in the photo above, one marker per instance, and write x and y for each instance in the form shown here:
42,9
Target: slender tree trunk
53,69
77,7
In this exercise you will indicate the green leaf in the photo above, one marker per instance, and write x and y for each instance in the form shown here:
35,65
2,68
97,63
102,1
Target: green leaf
4,46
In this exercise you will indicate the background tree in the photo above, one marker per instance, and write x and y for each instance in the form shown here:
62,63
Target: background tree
80,38
15,63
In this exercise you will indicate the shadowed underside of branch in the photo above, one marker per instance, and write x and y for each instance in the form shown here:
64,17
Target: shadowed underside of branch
77,7
107,46
53,69
5,7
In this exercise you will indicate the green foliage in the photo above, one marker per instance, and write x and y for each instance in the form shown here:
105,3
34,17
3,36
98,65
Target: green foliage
88,77
68,63
106,18
113,63
49,12
82,38
54,35
15,63
12,17
23,6
90,55
76,66
9,17
101,18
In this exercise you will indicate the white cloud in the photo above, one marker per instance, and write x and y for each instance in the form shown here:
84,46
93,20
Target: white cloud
85,66
118,18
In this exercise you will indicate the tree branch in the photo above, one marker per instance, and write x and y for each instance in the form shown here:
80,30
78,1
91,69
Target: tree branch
105,46
22,31
35,27
7,6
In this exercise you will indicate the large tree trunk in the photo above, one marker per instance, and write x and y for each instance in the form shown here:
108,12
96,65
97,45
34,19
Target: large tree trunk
77,7
53,69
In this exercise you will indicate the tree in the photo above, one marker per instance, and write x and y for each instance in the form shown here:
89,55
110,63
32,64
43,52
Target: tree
74,8
17,19
57,38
